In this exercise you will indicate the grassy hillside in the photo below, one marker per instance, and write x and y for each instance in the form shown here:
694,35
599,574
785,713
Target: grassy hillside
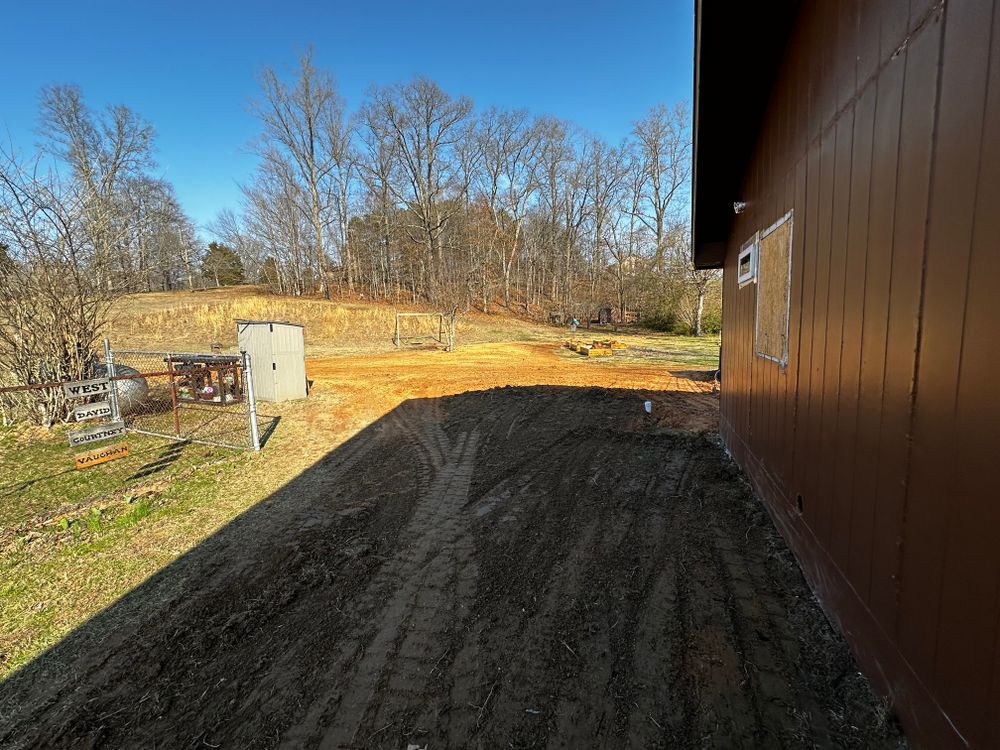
194,320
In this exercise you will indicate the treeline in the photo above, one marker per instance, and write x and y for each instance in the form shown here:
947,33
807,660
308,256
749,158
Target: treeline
418,196
90,196
415,196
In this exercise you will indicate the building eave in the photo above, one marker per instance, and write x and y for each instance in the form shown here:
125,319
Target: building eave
738,51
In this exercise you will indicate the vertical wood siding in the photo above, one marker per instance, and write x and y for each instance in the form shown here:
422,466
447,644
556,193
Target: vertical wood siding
883,135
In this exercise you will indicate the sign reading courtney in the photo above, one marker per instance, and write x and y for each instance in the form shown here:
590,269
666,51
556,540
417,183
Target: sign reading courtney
96,433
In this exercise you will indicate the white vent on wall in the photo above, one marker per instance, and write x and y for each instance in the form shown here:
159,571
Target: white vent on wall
746,264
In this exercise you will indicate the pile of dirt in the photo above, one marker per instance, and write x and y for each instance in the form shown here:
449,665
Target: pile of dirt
515,567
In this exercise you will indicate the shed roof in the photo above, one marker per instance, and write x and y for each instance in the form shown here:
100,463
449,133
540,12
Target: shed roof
737,53
269,322
224,359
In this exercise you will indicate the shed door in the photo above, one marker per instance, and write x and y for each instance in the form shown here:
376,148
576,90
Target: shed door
288,363
255,339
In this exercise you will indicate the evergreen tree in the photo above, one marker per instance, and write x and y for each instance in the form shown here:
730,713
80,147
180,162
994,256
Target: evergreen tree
223,265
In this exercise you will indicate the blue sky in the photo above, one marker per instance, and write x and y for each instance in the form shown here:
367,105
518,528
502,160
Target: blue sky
190,67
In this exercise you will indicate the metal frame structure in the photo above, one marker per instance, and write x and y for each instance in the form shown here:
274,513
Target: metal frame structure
397,339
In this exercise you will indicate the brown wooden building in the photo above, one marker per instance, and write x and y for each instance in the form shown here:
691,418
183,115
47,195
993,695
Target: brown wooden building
847,178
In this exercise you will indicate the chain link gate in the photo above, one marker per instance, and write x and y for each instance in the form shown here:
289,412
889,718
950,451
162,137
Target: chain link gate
190,396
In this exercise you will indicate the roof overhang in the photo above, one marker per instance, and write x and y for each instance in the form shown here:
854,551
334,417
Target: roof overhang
737,52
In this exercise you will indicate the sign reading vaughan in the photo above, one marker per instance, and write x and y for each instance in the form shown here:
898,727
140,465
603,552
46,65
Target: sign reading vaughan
100,455
81,388
92,411
93,434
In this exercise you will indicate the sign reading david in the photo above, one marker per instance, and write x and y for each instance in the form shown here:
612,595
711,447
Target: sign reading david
92,411
81,388
93,434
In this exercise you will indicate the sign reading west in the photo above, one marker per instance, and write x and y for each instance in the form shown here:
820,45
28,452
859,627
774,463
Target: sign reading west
98,432
81,388
100,455
92,411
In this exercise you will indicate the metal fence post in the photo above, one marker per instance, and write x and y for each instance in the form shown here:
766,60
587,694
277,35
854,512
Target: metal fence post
174,406
252,400
109,363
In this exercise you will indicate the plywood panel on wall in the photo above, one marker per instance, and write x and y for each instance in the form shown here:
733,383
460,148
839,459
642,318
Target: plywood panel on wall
773,267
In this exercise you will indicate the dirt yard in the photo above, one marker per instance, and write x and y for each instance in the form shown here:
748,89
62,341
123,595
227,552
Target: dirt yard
537,565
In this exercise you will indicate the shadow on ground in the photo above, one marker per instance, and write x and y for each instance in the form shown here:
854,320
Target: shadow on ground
518,567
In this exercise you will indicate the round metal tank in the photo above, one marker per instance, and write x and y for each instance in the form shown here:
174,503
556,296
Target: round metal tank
131,392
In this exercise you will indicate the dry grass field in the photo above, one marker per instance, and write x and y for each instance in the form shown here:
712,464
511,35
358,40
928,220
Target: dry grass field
194,320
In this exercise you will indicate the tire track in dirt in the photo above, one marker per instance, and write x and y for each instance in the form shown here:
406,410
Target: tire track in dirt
625,568
513,642
412,627
649,706
549,640
420,420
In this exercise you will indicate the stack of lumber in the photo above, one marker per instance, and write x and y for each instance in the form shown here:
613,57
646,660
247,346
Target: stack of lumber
611,344
594,348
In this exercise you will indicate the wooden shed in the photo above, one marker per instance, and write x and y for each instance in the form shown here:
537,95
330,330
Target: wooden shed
847,178
277,358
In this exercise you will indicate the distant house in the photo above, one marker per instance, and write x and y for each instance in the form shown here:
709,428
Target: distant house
847,180
613,315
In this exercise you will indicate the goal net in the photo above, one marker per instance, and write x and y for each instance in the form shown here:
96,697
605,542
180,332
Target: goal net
419,328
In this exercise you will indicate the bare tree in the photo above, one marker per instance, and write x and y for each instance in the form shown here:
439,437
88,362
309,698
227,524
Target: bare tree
665,142
575,204
628,233
696,282
165,241
232,230
103,151
379,171
338,144
607,171
302,124
565,200
53,302
508,179
424,199
274,218
426,125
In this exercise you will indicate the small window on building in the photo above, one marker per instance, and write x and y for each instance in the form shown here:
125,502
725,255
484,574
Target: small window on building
746,264
774,277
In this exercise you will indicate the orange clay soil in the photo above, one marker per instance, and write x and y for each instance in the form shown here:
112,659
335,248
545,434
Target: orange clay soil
372,385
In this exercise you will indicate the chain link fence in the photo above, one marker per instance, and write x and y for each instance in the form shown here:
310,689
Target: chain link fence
201,398
197,397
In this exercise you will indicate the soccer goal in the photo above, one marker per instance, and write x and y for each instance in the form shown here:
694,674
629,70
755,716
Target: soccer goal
419,328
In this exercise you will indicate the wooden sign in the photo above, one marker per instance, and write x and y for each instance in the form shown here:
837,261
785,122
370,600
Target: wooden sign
81,388
95,433
92,411
100,455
